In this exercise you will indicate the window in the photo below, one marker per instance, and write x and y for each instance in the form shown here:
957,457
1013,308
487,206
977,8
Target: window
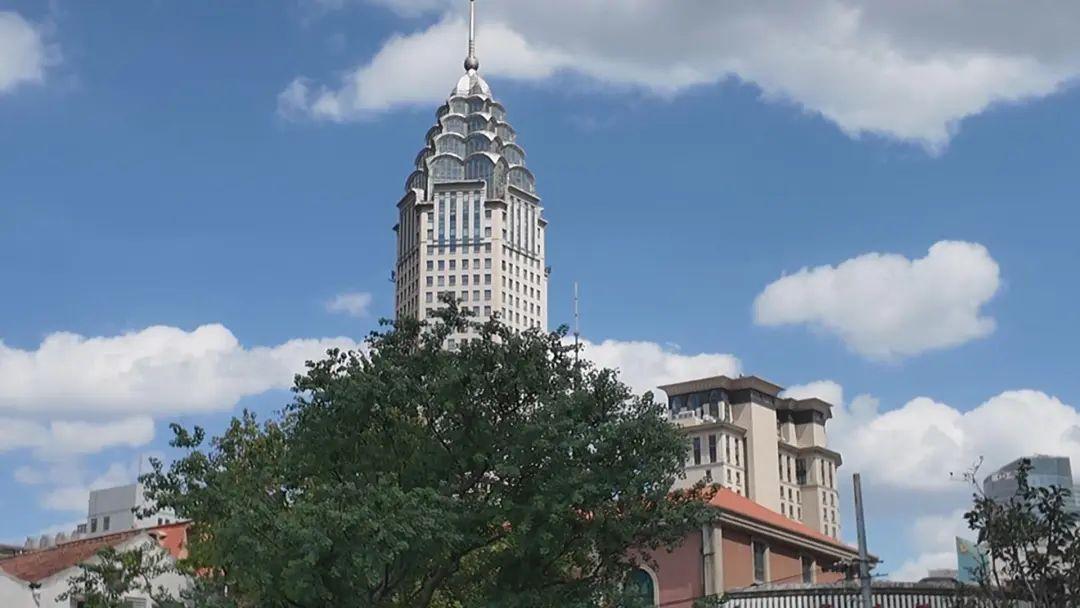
105,523
93,525
800,472
807,569
712,448
697,450
761,552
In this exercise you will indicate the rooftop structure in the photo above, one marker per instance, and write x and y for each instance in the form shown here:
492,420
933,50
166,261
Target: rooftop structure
772,449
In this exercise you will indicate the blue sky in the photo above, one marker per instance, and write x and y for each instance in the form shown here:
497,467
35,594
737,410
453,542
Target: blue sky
152,173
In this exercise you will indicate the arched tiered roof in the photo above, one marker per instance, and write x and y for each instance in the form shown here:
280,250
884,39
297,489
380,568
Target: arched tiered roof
472,140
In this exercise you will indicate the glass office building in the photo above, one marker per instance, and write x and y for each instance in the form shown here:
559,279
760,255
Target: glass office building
1046,471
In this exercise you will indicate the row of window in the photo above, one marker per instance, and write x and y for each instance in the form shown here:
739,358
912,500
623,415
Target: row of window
463,296
453,263
453,247
733,446
451,280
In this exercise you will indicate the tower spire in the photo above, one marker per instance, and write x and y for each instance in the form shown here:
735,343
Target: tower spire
471,62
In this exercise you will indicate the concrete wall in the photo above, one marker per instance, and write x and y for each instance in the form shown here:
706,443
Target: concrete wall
14,593
762,455
784,562
116,504
738,559
680,573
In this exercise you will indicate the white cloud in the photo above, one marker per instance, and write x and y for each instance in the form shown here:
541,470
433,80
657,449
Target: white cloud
920,444
826,390
927,446
908,70
885,306
75,496
60,438
157,370
411,69
645,365
354,304
28,476
23,53
916,456
934,537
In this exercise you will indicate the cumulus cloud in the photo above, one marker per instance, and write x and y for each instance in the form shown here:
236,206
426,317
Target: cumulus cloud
645,365
23,52
61,438
74,494
414,69
885,306
924,444
354,304
157,370
935,545
907,70
917,454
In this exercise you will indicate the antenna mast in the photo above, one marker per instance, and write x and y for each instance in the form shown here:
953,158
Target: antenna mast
577,326
471,62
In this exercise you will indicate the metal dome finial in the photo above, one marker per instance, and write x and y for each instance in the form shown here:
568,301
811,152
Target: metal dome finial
471,62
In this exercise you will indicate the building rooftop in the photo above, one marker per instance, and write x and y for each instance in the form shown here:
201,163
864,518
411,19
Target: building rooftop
739,505
723,382
771,391
35,566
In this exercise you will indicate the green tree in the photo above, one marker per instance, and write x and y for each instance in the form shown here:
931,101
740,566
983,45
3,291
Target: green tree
1032,545
500,473
105,581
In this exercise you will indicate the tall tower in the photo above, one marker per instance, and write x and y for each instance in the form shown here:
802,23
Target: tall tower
470,224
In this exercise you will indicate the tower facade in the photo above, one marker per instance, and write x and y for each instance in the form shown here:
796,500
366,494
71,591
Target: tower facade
769,448
471,225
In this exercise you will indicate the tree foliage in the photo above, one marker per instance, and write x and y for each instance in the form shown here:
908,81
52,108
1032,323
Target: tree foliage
104,582
1032,545
501,473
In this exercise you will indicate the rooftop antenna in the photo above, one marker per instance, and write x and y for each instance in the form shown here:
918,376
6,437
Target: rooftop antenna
577,327
471,62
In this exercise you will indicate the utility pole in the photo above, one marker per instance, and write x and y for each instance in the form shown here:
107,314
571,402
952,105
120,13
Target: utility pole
864,556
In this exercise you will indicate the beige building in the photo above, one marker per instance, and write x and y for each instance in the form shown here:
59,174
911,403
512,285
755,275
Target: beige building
470,224
771,449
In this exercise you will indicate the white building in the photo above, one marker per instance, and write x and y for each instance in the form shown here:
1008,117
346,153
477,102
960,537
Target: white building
121,508
771,449
470,224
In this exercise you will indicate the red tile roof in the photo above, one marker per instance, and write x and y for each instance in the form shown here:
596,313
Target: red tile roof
41,564
727,500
